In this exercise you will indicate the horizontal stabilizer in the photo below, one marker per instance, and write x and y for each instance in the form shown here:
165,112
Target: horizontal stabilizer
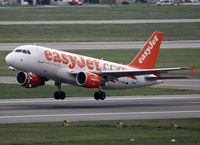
192,68
164,78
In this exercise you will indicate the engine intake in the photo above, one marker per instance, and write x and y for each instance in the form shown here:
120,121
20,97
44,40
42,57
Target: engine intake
21,78
88,80
28,80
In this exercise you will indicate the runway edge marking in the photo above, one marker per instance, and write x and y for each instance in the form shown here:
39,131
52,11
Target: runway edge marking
100,114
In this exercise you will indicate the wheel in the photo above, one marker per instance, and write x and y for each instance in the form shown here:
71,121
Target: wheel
62,95
99,95
56,95
102,95
59,95
27,85
42,83
96,95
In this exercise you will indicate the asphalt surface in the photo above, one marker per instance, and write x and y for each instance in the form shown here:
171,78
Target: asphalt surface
113,108
100,22
104,45
192,84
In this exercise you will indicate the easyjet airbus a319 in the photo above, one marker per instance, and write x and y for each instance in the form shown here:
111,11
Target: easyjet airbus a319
39,64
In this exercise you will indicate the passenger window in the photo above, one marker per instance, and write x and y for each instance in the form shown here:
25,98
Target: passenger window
18,50
28,52
23,51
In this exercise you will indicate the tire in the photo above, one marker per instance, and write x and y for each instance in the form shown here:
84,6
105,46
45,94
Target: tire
56,95
42,83
102,95
27,85
62,95
96,95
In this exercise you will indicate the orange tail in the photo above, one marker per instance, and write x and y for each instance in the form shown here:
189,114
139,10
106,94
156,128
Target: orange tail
146,58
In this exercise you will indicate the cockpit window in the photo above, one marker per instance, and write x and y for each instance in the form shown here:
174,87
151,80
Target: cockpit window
23,51
28,52
18,50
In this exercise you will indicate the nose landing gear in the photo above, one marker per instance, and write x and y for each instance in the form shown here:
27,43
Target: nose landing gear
59,94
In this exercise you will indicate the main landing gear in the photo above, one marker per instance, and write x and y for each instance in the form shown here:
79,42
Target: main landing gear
99,95
59,94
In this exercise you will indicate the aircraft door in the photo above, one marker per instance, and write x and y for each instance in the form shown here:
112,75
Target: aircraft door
40,65
40,55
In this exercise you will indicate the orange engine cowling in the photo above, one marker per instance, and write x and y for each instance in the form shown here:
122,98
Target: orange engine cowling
28,80
88,80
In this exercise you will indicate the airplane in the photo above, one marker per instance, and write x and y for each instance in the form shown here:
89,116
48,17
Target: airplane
75,2
37,65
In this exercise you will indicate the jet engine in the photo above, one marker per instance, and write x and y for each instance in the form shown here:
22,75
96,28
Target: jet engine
29,80
88,80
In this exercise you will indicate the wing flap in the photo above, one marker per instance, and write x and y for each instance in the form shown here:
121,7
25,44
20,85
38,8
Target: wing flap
141,71
164,78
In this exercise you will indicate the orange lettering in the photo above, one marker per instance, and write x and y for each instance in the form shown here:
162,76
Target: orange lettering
90,64
121,68
48,55
113,66
73,61
97,65
56,57
82,63
64,59
105,66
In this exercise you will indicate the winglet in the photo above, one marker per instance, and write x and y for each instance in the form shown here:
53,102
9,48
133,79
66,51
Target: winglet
147,57
192,68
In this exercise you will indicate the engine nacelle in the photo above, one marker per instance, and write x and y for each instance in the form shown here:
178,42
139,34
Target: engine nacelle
88,80
28,80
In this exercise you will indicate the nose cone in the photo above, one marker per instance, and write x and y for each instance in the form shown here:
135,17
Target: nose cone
9,59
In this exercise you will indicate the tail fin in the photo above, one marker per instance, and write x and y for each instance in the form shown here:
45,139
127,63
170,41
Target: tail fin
146,58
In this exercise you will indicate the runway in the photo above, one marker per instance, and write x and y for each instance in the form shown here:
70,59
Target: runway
146,21
192,84
86,108
104,45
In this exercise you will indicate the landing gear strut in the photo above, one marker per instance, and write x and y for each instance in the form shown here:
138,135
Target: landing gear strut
99,95
59,94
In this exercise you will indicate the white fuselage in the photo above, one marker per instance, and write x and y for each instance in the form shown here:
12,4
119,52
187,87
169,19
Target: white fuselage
61,66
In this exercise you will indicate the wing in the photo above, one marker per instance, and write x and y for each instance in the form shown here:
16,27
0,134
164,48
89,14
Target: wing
109,75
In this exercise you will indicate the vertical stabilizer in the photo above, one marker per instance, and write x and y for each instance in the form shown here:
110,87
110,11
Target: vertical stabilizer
146,58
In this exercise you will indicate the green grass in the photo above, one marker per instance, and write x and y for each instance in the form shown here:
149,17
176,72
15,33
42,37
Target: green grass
166,58
99,13
47,91
104,32
145,132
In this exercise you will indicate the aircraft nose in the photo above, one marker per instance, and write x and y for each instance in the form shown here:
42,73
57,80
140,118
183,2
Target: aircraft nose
9,59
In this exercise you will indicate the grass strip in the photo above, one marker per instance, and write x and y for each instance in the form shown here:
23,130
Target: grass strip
99,13
166,58
151,131
47,91
93,32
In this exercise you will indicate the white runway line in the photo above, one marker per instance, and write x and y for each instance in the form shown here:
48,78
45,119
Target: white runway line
99,114
100,22
86,99
105,45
